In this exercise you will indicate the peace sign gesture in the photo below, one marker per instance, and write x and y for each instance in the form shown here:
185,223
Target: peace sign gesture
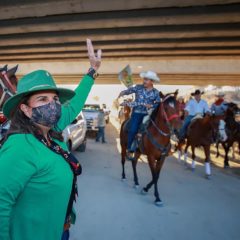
95,60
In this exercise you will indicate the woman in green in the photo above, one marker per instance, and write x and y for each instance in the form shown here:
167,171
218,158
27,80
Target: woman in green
37,173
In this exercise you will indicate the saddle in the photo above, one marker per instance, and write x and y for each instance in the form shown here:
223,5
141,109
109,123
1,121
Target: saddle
198,116
137,143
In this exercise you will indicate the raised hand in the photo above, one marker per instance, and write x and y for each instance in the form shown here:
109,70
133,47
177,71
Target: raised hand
95,60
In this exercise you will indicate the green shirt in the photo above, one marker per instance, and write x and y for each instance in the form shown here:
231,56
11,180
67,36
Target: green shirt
35,182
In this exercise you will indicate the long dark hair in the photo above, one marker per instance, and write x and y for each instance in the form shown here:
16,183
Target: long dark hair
20,123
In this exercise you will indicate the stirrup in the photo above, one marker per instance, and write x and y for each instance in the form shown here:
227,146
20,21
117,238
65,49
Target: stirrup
130,155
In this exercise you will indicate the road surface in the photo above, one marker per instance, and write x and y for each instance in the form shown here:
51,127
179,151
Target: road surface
194,208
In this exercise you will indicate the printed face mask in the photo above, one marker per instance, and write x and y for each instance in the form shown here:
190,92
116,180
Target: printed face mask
47,115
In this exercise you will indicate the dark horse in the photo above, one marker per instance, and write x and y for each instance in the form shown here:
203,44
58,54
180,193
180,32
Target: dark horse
232,130
202,132
155,141
8,84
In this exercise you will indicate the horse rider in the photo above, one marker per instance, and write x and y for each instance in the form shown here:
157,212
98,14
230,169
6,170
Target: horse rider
195,106
146,98
220,106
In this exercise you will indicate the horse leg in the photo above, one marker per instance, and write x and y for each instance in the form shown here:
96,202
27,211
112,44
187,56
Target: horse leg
233,151
134,166
158,168
207,161
123,154
151,162
217,147
193,158
179,155
186,154
226,160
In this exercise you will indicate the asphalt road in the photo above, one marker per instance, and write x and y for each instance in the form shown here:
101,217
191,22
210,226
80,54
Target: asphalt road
194,208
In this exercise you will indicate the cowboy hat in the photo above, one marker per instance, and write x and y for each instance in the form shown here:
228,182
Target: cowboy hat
197,92
220,94
36,81
150,75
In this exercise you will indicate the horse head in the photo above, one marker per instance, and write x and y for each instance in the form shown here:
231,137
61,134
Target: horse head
218,126
170,110
232,109
8,83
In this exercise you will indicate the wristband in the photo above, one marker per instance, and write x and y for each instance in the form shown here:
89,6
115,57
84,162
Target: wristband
92,73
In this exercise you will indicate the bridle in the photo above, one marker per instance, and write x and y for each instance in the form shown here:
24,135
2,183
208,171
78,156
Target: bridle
167,118
164,149
5,89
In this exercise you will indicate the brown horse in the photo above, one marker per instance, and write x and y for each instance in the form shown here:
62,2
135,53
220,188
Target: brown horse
8,83
124,114
233,132
155,141
202,132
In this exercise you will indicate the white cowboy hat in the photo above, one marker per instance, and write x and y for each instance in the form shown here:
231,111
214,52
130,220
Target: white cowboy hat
220,94
150,75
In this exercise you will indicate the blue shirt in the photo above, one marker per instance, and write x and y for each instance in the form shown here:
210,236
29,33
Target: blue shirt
143,97
219,109
193,107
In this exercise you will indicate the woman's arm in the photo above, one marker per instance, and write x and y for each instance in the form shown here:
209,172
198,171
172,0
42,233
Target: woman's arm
75,105
14,175
73,108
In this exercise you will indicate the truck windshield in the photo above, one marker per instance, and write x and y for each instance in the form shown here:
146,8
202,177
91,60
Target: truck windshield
91,108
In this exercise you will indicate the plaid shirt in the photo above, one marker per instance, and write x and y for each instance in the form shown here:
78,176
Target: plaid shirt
143,97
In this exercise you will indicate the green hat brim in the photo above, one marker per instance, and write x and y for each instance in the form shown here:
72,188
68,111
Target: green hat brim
12,103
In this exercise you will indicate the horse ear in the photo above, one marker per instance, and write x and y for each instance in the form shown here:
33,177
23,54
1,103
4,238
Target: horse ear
176,93
4,68
12,71
161,95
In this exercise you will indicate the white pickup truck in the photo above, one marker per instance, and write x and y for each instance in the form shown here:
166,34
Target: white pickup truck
90,112
75,134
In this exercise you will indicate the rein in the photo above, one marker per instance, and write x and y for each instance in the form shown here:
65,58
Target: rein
168,119
164,149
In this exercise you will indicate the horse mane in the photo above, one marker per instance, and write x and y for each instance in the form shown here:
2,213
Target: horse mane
169,99
155,112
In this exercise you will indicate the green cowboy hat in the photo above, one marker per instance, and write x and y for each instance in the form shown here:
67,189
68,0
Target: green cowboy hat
36,81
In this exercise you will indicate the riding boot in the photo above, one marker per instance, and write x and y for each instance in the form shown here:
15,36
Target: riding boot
130,155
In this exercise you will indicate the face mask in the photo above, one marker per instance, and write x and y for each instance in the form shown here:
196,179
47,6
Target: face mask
47,115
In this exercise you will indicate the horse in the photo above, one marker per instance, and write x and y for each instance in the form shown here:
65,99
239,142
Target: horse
8,85
155,141
124,113
233,132
202,132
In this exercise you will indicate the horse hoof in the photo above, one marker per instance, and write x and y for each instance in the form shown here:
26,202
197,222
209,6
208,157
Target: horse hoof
136,186
159,203
226,166
124,179
208,177
143,192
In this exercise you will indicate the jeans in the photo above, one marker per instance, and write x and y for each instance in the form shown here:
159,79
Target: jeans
135,123
101,134
186,123
65,235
